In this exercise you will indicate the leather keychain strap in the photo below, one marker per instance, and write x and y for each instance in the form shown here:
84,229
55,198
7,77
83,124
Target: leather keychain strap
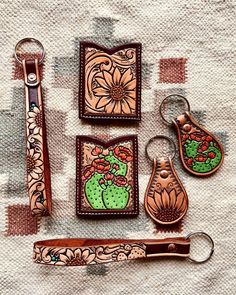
38,171
77,252
72,252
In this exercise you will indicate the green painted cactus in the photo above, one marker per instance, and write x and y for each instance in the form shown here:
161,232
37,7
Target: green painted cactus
106,186
191,148
115,197
209,164
218,155
93,191
122,167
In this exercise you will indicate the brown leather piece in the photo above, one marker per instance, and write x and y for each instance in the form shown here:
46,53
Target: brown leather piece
78,252
107,176
200,152
166,200
38,169
110,82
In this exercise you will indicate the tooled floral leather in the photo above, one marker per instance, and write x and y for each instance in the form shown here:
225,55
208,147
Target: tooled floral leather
38,171
107,176
79,252
166,200
110,83
88,255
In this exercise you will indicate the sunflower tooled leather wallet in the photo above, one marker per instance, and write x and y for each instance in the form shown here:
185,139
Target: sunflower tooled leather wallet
110,82
106,176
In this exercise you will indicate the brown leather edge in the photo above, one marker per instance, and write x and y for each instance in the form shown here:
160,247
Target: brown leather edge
84,242
47,173
111,213
82,115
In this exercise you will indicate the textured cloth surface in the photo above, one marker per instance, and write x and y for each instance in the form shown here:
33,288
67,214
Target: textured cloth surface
188,48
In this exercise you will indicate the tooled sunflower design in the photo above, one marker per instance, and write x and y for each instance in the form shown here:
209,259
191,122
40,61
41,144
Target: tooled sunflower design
35,120
116,91
76,257
34,163
168,207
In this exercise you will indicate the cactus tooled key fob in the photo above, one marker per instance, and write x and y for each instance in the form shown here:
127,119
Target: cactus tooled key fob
200,152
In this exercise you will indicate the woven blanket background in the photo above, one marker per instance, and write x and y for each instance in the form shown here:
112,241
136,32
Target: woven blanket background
188,48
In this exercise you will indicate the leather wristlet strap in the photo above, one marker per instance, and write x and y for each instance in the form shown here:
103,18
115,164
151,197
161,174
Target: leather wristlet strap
72,252
38,171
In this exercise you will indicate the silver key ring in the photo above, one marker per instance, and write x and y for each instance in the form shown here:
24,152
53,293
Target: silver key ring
160,137
165,99
29,40
201,233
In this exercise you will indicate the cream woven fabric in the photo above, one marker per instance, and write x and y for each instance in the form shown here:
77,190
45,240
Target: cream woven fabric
188,48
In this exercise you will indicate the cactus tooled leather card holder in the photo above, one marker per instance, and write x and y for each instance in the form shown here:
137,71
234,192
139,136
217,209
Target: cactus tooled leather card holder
110,81
107,180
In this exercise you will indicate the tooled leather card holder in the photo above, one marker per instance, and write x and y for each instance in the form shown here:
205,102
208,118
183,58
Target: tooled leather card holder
107,176
110,82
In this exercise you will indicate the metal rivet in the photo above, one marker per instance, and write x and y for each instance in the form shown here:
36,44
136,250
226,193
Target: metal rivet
172,247
187,127
164,174
31,77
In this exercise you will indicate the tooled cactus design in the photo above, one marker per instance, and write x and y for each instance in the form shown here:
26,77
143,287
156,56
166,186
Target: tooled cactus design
201,151
105,179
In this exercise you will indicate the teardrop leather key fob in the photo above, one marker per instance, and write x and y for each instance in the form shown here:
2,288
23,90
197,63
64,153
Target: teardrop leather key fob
200,152
166,200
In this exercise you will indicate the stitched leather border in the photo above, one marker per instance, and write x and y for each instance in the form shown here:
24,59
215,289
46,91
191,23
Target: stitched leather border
82,115
80,140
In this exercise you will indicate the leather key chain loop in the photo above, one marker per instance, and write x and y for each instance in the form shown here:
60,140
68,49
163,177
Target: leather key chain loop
166,99
37,158
151,140
81,252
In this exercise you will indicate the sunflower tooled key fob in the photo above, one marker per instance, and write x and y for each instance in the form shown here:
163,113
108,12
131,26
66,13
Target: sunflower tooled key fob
165,200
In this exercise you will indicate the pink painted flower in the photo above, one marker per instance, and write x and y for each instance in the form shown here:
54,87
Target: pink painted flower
115,166
101,181
88,172
120,180
109,176
101,166
123,154
96,151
